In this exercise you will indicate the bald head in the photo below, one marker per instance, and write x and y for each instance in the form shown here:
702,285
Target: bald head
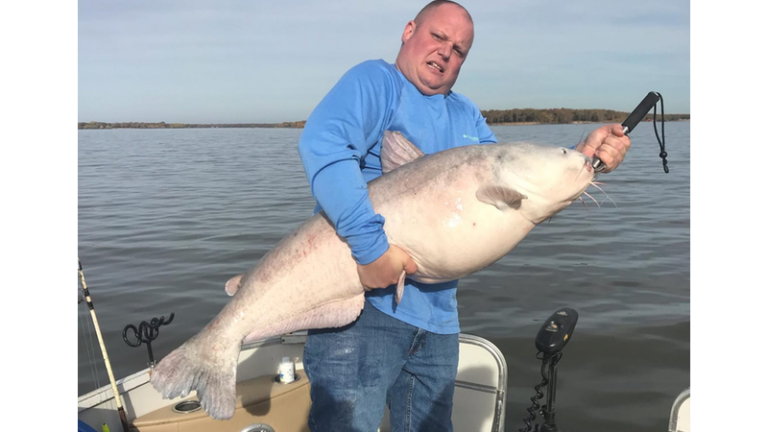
431,6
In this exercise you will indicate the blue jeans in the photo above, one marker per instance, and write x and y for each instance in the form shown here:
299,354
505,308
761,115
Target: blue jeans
355,370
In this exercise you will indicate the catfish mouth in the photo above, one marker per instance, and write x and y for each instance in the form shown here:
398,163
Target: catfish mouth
588,165
589,168
592,182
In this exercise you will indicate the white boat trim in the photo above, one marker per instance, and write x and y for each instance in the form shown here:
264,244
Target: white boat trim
680,416
500,389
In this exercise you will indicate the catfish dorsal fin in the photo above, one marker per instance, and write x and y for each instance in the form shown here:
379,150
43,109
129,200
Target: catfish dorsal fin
396,150
233,284
500,196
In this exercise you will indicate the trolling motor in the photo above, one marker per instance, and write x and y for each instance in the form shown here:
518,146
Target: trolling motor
550,341
146,333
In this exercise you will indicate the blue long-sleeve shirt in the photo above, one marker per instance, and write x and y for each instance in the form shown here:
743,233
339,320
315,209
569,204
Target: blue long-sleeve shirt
340,148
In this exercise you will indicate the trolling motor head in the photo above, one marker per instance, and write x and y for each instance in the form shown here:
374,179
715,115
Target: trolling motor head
550,341
556,331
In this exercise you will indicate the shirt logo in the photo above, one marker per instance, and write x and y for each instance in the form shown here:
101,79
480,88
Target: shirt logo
471,138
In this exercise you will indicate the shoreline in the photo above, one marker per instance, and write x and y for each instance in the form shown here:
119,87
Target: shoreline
576,122
285,125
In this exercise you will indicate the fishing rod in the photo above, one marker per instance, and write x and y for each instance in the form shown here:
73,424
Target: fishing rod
634,118
87,295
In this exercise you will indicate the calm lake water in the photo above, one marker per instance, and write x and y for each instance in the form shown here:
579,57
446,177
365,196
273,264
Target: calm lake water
167,216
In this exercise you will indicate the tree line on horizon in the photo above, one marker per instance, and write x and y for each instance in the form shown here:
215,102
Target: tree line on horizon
164,125
567,115
510,116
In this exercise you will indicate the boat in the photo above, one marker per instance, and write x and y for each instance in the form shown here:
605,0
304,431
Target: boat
267,404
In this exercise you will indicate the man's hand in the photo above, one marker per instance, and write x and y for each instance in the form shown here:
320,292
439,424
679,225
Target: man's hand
607,143
386,270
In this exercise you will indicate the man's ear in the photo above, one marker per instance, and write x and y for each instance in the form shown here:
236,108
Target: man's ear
408,32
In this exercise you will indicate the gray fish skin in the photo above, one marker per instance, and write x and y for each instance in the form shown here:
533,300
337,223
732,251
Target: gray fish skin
455,212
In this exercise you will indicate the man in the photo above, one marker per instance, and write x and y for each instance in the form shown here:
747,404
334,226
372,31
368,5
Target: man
406,356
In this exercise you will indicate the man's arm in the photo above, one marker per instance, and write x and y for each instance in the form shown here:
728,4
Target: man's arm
337,136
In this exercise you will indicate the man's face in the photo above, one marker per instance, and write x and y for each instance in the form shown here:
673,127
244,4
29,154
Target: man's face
434,50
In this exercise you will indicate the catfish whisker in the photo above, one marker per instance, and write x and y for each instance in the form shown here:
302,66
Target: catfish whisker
590,196
595,184
582,136
585,204
582,170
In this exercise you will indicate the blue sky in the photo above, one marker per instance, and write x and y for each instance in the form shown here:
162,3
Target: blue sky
257,61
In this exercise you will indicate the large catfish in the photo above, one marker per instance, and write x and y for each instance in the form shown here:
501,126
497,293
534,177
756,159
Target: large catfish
455,212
